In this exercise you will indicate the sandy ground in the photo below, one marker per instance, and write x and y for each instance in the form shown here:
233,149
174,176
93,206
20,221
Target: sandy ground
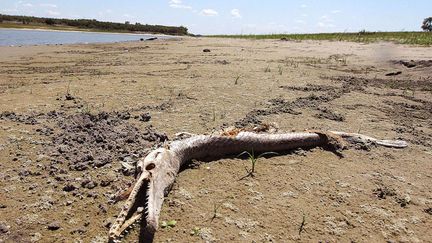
73,117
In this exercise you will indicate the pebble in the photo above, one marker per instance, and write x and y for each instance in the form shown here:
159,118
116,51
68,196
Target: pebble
69,188
35,237
88,183
54,225
4,228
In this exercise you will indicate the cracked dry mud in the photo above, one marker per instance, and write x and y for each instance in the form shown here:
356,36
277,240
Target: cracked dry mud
75,118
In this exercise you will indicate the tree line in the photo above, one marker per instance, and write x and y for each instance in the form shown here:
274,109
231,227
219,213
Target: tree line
94,24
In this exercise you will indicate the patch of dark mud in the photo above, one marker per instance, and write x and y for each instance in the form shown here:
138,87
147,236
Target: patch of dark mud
413,64
251,119
422,84
19,118
383,192
161,107
309,88
222,62
393,73
410,120
87,140
326,113
280,106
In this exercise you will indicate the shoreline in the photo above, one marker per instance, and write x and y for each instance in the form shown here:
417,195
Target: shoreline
139,36
83,31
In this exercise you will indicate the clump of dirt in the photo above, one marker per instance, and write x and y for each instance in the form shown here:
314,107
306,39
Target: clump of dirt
12,116
383,192
326,113
87,140
412,63
423,84
313,101
410,119
251,119
309,88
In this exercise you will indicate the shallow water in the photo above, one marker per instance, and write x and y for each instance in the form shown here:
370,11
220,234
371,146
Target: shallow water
17,37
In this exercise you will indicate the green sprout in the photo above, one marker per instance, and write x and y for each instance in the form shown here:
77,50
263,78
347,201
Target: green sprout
169,224
195,231
253,159
215,211
237,79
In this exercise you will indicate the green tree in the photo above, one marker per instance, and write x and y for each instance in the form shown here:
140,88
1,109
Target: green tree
427,24
49,21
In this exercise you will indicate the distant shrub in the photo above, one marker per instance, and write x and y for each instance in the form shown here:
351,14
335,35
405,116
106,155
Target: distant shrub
98,25
427,24
49,22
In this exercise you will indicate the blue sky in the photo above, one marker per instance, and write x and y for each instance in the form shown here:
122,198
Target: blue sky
239,16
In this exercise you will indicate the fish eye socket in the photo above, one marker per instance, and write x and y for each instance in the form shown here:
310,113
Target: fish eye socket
150,166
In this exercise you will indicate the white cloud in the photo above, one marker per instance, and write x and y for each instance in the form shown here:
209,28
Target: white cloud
27,5
326,22
48,5
325,25
52,13
209,12
336,11
235,13
10,10
326,18
105,12
178,4
299,21
303,6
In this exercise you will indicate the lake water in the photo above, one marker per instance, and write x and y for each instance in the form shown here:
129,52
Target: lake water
40,37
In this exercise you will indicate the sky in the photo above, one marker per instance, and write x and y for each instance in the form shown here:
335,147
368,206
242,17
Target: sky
239,16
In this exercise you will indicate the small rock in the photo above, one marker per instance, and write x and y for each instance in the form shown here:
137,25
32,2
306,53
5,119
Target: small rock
103,208
393,73
206,50
35,237
108,222
79,230
69,188
4,228
105,183
88,183
54,226
145,117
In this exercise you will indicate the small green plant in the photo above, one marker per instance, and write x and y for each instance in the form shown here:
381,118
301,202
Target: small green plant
280,70
302,224
195,231
237,79
169,224
214,115
86,109
215,211
253,159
